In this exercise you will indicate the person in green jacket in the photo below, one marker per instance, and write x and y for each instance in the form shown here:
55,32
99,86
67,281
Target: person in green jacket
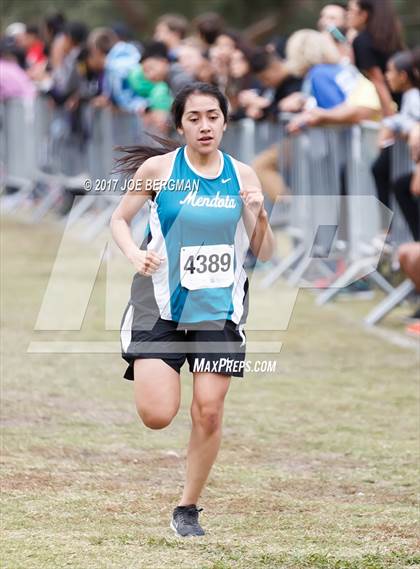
158,96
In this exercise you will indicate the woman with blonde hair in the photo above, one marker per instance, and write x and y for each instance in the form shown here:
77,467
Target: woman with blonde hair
327,83
306,48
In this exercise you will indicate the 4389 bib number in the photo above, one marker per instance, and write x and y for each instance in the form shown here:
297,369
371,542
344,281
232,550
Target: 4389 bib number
206,266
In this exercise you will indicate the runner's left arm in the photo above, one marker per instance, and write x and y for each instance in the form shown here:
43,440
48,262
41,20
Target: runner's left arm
254,215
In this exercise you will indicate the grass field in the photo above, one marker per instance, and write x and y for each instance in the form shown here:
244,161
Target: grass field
318,466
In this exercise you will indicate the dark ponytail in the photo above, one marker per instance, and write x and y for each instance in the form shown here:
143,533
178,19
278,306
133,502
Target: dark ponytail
134,156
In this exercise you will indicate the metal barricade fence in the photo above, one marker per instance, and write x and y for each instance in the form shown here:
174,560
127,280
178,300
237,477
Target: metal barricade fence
362,213
401,165
19,144
246,138
314,172
39,148
43,118
318,165
67,147
363,222
108,130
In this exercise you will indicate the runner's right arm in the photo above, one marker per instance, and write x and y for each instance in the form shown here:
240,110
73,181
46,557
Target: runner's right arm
145,262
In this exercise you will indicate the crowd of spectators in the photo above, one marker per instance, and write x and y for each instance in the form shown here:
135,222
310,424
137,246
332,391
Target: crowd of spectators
341,66
354,66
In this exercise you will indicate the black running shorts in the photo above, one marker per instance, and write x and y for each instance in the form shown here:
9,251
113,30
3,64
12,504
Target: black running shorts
216,347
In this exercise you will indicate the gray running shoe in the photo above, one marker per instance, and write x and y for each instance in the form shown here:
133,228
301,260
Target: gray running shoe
185,521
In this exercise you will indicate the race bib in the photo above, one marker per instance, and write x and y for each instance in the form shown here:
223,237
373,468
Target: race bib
206,266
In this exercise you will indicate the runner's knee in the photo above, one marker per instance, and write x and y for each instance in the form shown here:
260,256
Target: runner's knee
155,419
209,417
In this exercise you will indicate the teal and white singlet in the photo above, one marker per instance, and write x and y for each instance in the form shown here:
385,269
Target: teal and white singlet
196,226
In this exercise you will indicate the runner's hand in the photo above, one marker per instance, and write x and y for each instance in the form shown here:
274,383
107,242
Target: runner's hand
146,262
253,199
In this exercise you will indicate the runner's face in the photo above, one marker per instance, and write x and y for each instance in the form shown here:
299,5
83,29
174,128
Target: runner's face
202,123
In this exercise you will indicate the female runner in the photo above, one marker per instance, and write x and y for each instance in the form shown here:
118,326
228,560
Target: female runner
189,296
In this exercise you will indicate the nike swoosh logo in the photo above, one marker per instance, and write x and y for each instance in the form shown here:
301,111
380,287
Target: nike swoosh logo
225,181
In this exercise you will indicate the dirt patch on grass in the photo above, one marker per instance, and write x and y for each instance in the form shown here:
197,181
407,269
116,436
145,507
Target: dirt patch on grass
117,469
333,491
383,531
110,455
34,481
48,409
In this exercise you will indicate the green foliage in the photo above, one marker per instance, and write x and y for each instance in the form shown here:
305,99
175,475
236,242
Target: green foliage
289,14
